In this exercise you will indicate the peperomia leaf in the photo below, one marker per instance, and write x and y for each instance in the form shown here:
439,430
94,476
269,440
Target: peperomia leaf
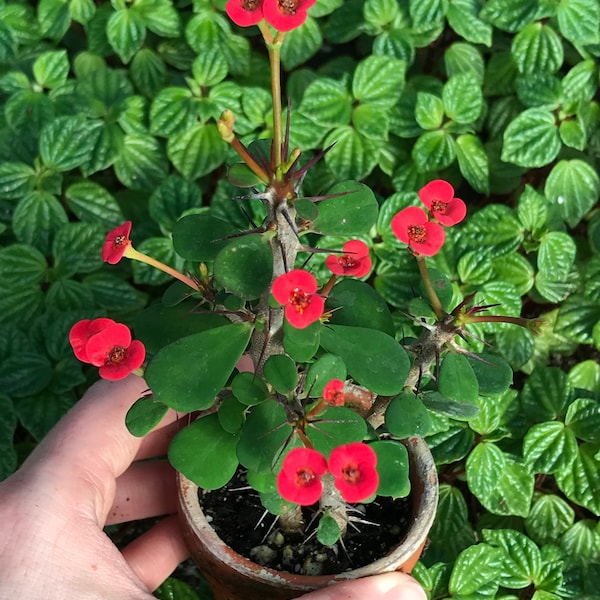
582,478
475,567
549,447
549,518
202,362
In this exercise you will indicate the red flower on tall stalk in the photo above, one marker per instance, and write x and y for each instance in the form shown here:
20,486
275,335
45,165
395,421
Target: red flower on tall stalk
285,15
82,331
438,197
244,12
355,261
108,345
116,244
299,480
296,291
353,466
333,392
412,226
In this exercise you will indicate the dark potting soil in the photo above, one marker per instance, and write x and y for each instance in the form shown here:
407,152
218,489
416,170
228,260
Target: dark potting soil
237,515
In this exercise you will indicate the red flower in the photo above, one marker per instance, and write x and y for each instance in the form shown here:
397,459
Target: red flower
355,261
117,242
353,466
285,15
296,290
299,479
412,227
438,197
245,12
108,345
82,331
333,392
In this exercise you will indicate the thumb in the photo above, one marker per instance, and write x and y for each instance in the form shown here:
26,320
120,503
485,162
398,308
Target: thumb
388,586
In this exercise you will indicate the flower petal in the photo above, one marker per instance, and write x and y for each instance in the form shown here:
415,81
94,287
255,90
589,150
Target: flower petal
242,16
117,242
413,215
286,283
100,344
438,189
434,240
456,211
311,313
286,21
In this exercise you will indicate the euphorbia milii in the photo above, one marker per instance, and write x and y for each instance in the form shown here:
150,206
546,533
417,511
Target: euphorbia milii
285,15
296,290
438,197
355,261
333,392
299,480
244,12
116,244
353,466
412,226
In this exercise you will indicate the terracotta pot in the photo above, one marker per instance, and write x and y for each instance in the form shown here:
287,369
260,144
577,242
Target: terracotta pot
234,577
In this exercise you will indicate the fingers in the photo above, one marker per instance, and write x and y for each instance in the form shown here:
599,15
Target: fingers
388,586
146,489
155,554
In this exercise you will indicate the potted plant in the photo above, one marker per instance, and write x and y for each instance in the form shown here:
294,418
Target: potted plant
298,383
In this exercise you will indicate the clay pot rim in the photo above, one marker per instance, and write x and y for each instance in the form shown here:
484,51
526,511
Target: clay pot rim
413,542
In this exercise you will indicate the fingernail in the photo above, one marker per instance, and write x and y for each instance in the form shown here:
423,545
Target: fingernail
406,591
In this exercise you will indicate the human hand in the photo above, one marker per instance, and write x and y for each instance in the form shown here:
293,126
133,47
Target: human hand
90,472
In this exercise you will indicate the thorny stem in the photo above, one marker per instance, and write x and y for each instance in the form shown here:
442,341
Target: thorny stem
438,309
133,254
249,159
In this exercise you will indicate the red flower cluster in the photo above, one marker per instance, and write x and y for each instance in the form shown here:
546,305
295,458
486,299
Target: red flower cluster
355,261
413,227
333,392
108,345
283,15
116,244
296,291
352,466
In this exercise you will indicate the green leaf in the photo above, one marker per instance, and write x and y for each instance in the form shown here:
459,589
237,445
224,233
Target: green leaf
148,72
303,43
327,102
464,17
328,531
475,567
188,374
531,140
336,426
583,416
580,481
429,110
462,97
576,318
537,48
249,389
573,186
141,163
175,589
373,358
25,374
322,371
503,486
92,203
301,344
126,32
579,21
459,411
82,11
210,67
38,414
380,12
556,254
51,69
549,447
494,375
53,17
549,518
232,414
521,559
76,249
264,437
370,121
353,156
379,80
110,291
280,371
65,143
546,395
456,379
160,16
473,162
573,134
352,213
392,467
172,110
245,266
144,415
195,237
433,151
586,376
197,150
8,425
37,218
205,453
407,416
16,179
424,13
509,15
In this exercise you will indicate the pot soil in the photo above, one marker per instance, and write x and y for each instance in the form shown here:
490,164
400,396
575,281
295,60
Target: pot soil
224,559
